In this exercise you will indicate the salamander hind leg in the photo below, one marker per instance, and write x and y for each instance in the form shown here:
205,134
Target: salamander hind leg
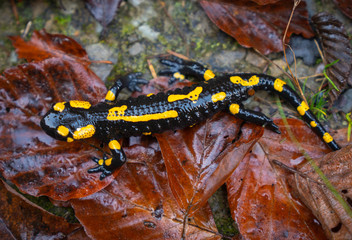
253,117
108,165
179,68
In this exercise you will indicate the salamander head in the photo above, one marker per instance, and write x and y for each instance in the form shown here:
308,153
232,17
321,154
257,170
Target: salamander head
65,121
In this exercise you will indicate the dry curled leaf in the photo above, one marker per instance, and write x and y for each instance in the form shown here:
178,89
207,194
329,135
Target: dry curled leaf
103,11
259,24
335,46
345,6
337,167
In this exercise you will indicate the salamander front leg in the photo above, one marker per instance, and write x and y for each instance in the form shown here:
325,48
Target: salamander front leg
129,81
108,165
253,117
179,68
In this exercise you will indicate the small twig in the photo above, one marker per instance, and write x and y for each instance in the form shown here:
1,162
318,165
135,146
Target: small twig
178,55
311,76
26,30
15,12
291,169
102,61
151,69
296,3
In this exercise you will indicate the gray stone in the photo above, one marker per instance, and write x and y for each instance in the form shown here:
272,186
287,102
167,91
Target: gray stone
344,102
277,68
227,59
136,49
255,59
147,32
99,52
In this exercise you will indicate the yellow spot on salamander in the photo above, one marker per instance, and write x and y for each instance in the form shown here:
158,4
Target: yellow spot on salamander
193,95
150,94
178,75
327,137
208,74
302,108
147,133
254,80
110,96
313,124
101,162
113,144
144,118
60,106
116,112
218,96
69,139
108,162
234,108
63,131
278,85
80,104
84,132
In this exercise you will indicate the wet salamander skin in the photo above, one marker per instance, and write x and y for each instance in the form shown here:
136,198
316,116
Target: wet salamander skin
110,120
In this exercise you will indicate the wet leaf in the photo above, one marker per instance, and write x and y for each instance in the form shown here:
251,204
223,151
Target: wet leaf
282,148
103,11
335,46
307,184
36,163
260,198
200,159
43,45
19,217
262,206
139,202
259,24
345,6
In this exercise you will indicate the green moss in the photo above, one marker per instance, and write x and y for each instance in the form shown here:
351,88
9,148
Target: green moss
163,40
44,202
38,23
127,29
62,21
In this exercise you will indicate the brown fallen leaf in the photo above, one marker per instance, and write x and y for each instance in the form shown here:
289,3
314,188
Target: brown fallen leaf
260,200
335,217
200,159
43,45
36,163
259,24
22,219
139,202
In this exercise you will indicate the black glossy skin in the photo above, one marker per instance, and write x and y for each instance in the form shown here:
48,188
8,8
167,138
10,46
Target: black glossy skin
188,111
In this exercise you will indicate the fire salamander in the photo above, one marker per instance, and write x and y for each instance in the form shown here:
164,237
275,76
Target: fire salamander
112,119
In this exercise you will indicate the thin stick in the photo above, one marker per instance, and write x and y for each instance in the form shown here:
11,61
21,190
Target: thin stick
296,3
151,69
